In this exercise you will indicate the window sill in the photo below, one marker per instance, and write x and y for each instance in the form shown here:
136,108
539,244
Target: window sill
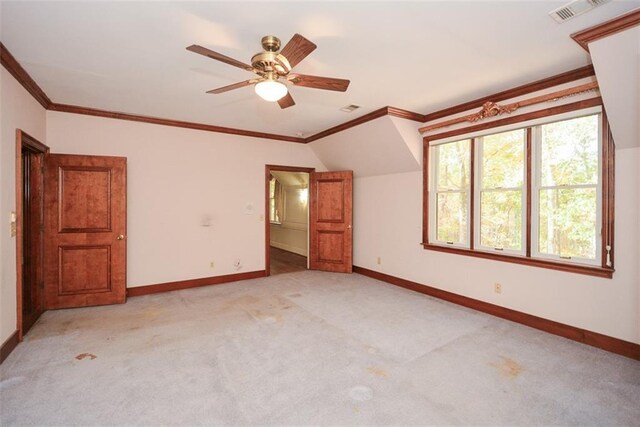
534,262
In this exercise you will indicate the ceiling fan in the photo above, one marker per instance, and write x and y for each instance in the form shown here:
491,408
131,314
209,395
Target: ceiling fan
273,68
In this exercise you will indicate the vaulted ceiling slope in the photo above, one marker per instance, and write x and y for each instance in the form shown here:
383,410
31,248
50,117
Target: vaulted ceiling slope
382,146
420,56
616,59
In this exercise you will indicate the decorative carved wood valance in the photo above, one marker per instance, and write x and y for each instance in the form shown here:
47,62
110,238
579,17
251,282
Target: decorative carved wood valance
491,109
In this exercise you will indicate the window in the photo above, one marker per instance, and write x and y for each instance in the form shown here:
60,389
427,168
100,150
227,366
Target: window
567,189
501,191
452,192
275,201
531,193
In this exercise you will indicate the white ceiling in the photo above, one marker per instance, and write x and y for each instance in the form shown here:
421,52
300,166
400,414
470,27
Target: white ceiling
420,56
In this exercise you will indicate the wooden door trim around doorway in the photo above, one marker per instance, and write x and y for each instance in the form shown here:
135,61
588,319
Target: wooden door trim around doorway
267,229
23,140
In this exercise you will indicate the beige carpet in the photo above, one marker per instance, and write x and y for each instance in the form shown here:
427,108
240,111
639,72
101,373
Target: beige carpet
307,348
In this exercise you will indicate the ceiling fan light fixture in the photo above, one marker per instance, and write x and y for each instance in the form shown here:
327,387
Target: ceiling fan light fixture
271,90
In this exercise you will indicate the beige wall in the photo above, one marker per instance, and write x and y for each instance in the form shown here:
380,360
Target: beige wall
18,110
388,224
178,178
291,234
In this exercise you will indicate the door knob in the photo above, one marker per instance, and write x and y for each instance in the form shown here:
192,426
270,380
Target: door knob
120,237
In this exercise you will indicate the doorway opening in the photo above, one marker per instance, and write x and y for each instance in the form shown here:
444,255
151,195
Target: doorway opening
30,159
286,219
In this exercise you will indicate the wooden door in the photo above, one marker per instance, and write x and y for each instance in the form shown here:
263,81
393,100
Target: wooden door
85,229
331,234
30,272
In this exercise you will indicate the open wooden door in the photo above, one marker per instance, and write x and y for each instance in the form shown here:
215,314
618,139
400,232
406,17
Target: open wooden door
330,231
30,155
85,229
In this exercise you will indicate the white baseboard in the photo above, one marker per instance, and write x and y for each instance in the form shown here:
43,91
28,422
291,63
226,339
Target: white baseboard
289,248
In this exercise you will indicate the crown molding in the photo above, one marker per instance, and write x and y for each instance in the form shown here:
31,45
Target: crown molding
492,109
12,65
75,109
380,112
558,79
605,29
20,74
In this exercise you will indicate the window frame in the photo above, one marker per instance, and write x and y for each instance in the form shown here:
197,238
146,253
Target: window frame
604,264
536,186
468,192
479,143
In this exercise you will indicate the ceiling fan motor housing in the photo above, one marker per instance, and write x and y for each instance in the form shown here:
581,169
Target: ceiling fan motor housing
271,43
270,61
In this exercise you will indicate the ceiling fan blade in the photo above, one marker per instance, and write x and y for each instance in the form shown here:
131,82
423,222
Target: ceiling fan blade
297,49
219,57
233,86
316,82
286,101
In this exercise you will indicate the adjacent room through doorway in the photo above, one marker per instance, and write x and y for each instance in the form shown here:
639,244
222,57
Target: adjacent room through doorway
288,221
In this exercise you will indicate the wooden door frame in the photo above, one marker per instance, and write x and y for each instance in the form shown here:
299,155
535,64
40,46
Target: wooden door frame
23,140
267,223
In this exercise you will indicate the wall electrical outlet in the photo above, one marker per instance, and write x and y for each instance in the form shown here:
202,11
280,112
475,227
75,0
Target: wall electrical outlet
237,264
379,260
212,264
497,288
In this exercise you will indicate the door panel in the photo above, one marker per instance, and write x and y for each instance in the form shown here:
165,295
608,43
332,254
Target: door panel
330,218
85,226
88,188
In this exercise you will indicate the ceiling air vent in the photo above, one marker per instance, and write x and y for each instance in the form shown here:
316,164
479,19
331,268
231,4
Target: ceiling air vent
575,8
350,108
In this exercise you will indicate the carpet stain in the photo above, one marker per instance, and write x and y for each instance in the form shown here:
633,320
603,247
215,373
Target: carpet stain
243,300
10,381
268,310
151,313
295,295
378,372
85,355
361,393
265,317
508,367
